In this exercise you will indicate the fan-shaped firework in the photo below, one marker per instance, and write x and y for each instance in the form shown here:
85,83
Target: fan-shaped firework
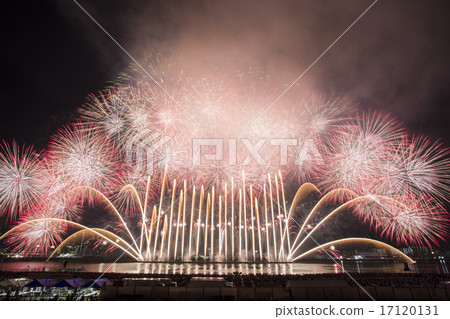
215,231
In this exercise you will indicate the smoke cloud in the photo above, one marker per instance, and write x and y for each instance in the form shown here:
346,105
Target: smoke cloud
394,59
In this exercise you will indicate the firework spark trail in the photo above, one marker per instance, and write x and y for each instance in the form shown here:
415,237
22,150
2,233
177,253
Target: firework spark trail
42,229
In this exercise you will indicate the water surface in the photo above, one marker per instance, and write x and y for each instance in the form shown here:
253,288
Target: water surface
438,267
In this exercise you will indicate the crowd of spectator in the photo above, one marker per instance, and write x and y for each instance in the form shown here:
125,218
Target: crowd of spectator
262,280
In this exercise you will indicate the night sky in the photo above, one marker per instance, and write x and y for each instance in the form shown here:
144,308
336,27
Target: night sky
394,59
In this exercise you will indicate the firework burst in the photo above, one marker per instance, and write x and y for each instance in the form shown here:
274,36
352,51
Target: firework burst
133,138
20,180
84,158
37,235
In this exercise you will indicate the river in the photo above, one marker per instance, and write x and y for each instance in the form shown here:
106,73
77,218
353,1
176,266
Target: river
438,267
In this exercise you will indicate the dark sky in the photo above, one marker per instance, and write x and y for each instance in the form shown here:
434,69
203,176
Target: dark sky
395,59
